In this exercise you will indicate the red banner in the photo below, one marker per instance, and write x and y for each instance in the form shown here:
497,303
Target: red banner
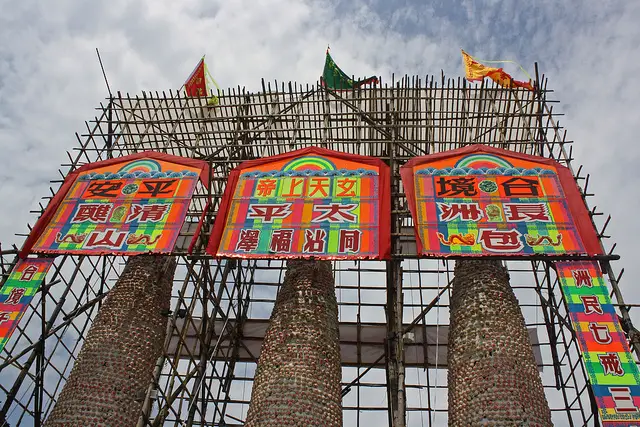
127,205
479,200
310,203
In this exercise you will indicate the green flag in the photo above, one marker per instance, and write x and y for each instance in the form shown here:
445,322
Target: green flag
334,78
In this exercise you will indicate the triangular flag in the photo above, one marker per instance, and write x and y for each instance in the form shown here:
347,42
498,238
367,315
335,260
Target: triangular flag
198,82
196,85
334,78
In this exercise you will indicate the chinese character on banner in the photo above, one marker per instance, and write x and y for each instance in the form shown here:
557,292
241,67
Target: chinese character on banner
623,399
600,333
14,296
266,187
320,187
151,212
110,238
311,203
335,212
611,364
5,316
28,273
521,187
462,211
526,212
294,188
346,187
314,241
349,241
582,278
500,240
514,205
18,291
93,212
267,213
104,189
281,240
456,187
155,188
591,304
122,206
248,241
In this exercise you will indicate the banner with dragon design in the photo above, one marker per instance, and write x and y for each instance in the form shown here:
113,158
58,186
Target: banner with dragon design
128,205
480,200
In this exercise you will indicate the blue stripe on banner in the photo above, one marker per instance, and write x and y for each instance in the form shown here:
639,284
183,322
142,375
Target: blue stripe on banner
579,308
603,390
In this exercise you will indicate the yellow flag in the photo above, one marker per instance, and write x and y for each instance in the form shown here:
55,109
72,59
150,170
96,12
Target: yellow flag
476,71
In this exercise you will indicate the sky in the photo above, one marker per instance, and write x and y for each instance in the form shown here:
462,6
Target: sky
50,79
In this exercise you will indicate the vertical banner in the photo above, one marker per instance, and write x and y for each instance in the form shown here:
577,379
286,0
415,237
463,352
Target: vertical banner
127,205
480,200
612,370
18,291
310,203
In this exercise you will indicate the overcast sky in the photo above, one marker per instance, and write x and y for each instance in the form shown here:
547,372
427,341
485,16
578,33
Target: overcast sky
50,79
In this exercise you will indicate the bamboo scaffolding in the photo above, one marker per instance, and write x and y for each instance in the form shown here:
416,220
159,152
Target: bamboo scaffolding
204,376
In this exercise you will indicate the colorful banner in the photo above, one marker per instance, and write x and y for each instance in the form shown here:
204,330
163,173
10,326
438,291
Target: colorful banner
610,365
17,292
480,200
310,203
129,205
